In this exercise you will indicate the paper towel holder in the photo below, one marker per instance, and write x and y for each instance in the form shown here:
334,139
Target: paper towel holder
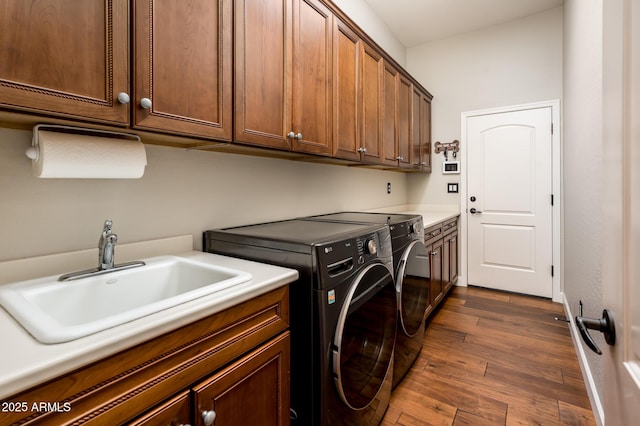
33,152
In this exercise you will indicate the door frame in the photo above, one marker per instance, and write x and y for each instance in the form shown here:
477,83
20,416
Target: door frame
621,125
556,179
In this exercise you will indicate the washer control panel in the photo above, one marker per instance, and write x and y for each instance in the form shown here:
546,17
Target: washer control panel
416,229
367,247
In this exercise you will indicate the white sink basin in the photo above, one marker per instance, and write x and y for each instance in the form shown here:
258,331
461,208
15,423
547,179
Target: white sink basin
55,312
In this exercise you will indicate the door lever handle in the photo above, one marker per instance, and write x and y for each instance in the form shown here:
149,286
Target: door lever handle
604,325
473,210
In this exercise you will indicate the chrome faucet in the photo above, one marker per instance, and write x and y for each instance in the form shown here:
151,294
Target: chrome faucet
106,247
106,258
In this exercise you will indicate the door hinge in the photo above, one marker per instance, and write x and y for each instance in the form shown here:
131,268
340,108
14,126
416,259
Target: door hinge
552,270
551,128
551,199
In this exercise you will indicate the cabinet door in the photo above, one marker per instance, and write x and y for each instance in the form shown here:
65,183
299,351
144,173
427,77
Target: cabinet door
405,108
446,263
312,75
175,412
65,57
346,78
416,135
182,66
371,110
435,253
425,133
262,112
453,257
389,115
251,391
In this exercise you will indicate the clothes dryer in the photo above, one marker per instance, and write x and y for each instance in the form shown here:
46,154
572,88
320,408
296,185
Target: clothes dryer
412,277
342,313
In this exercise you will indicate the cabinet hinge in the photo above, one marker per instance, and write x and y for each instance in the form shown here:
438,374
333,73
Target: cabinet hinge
552,270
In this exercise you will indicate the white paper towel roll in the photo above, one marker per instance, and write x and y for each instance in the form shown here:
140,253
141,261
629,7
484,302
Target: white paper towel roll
68,155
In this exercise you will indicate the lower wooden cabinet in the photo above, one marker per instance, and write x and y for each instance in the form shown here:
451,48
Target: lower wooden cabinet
441,241
233,365
450,259
437,288
250,391
175,412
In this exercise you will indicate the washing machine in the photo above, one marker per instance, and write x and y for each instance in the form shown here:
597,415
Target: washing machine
412,277
343,318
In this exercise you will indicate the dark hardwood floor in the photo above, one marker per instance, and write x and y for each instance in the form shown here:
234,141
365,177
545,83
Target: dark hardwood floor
493,358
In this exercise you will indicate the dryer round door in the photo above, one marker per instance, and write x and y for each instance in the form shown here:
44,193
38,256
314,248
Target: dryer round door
365,336
413,283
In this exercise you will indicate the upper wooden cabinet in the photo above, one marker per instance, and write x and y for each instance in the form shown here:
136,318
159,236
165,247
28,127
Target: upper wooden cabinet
283,75
357,91
399,120
425,133
405,122
290,75
312,77
416,129
420,131
371,112
262,64
390,115
66,58
182,67
346,92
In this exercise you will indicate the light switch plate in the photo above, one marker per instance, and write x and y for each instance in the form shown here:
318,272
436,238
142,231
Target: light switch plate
452,188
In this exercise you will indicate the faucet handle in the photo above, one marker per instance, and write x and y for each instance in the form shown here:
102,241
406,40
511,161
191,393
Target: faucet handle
107,226
107,253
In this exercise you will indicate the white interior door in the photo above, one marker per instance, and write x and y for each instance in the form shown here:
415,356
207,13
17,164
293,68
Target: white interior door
509,205
621,264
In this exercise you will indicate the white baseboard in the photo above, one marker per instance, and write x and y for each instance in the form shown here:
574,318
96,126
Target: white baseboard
596,403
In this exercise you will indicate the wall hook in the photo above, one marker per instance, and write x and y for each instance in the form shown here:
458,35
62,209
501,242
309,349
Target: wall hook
445,147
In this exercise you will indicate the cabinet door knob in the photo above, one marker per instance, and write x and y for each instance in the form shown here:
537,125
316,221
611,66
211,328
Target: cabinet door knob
208,417
363,150
123,98
145,103
299,136
291,135
400,158
434,253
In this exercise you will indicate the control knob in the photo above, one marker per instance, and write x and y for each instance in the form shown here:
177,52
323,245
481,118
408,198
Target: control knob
370,247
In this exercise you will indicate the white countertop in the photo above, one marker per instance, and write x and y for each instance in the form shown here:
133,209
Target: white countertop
431,213
25,362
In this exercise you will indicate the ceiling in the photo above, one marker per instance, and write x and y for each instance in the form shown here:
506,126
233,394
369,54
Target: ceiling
416,22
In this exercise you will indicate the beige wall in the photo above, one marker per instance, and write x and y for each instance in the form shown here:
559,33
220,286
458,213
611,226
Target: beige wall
583,168
182,192
514,63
